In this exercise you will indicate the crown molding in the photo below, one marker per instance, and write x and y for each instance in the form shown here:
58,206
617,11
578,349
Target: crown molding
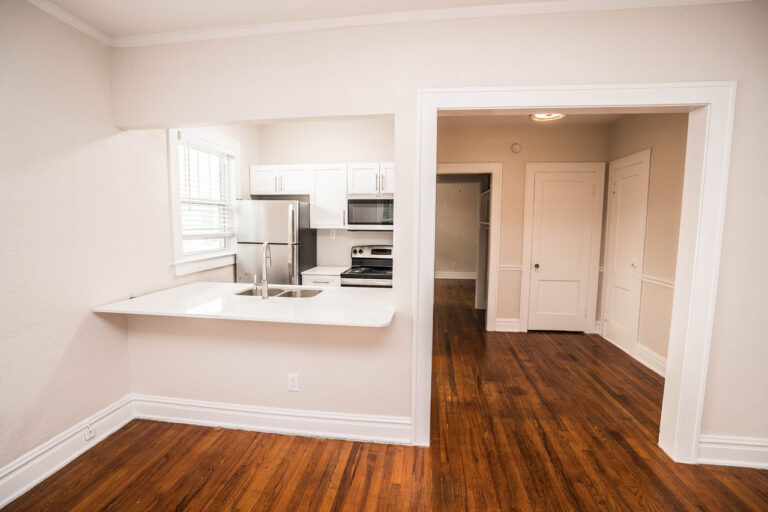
72,21
515,9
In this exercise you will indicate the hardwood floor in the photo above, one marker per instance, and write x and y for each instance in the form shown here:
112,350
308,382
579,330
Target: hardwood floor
539,421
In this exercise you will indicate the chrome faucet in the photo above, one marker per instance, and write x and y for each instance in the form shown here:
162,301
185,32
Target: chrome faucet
266,262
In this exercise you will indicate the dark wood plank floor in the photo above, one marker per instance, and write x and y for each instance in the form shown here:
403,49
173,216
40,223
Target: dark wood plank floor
540,421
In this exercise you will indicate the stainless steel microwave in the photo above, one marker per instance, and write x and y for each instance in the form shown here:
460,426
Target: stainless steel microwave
370,214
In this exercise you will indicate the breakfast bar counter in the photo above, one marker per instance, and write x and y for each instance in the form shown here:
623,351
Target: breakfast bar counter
340,306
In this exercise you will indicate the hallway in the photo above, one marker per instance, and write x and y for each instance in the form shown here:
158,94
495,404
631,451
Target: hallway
556,421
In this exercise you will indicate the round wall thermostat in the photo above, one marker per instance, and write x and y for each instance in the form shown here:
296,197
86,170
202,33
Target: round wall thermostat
516,147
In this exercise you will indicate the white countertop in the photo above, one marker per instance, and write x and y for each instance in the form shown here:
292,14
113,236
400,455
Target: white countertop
324,271
360,307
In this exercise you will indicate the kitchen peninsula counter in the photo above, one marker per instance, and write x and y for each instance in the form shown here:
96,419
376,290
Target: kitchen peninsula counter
339,306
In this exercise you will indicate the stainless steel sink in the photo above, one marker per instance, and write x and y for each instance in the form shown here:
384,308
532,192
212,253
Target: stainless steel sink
300,293
281,292
255,292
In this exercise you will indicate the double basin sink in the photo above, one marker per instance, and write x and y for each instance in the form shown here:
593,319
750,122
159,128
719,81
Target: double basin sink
282,292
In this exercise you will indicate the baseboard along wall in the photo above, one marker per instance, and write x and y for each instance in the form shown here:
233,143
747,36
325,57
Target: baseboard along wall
455,275
34,466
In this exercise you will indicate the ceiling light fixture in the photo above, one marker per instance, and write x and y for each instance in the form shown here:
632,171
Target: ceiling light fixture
546,116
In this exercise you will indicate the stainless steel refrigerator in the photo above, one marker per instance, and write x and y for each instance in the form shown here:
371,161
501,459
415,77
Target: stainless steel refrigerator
284,225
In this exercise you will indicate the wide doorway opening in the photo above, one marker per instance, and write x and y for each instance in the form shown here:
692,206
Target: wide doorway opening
550,212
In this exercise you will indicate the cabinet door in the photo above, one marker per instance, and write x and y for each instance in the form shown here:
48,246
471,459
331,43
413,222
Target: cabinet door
264,180
363,178
329,202
387,172
295,179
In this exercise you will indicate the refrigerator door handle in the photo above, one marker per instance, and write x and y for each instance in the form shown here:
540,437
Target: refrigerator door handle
292,223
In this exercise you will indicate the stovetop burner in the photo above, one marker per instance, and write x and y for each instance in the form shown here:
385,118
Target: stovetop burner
368,271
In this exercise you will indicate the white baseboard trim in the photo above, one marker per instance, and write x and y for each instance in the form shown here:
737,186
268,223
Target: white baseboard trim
356,427
34,466
455,275
37,464
508,324
645,356
750,452
651,359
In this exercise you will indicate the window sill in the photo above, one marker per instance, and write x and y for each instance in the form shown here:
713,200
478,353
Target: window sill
203,262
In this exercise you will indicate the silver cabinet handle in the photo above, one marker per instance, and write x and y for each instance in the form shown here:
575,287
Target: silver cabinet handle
276,183
343,217
383,180
281,184
315,281
378,183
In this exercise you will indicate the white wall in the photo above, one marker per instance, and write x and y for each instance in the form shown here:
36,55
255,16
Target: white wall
85,221
337,251
374,70
368,70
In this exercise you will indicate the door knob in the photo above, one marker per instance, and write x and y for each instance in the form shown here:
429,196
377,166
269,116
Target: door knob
536,265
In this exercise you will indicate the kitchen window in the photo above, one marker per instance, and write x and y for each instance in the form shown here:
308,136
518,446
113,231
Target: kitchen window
202,172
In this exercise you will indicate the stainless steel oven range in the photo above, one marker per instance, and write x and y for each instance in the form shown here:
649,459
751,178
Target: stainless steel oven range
371,266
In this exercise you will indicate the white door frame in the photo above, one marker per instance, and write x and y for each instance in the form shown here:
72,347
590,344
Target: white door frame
643,156
594,253
701,229
494,239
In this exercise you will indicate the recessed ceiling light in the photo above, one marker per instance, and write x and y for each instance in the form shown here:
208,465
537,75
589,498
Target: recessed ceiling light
551,116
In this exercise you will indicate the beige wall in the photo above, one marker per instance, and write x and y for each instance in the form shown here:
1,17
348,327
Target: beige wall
84,216
666,135
456,224
489,140
379,69
328,141
366,70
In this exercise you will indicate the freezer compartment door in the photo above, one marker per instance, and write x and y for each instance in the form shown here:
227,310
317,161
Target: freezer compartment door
275,222
284,268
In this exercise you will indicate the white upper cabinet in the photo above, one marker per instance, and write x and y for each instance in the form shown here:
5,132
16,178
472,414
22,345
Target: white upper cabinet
387,183
264,180
363,178
281,179
371,178
329,202
296,179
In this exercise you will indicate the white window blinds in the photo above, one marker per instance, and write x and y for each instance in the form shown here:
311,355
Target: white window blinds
205,197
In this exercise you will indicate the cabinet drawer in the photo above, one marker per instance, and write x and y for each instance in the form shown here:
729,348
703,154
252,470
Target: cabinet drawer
321,281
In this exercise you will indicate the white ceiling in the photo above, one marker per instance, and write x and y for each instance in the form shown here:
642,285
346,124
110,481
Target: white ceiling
121,18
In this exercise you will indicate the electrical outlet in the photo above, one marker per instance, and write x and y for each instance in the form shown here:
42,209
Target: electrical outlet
90,433
293,382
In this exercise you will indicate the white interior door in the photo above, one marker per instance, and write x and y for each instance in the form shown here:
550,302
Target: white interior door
564,224
624,248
